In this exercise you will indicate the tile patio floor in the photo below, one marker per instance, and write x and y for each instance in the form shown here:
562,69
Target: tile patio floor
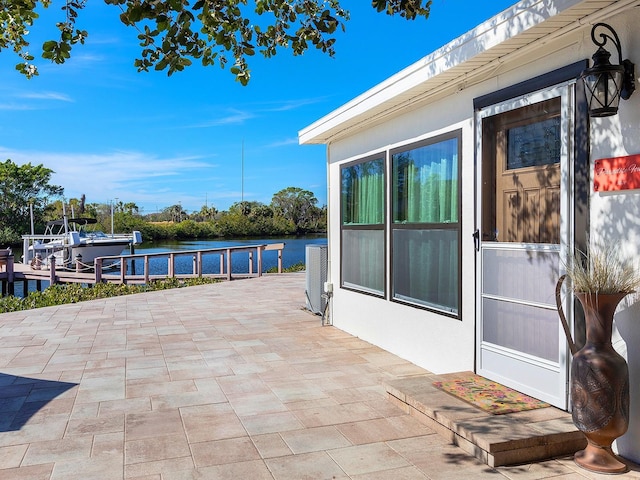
227,381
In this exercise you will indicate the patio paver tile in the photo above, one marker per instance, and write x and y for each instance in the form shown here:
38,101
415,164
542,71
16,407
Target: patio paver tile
65,449
271,445
211,422
271,423
315,465
315,439
225,381
156,449
29,472
370,458
153,424
11,456
219,452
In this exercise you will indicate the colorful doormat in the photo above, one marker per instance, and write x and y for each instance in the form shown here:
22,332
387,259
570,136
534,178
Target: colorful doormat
487,395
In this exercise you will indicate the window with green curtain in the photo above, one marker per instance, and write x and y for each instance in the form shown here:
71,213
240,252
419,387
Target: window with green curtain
426,230
362,214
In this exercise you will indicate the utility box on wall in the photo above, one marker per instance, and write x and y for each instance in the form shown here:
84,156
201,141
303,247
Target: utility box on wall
316,261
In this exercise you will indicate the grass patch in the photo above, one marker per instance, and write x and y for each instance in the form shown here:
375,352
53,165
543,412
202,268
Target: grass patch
296,267
61,294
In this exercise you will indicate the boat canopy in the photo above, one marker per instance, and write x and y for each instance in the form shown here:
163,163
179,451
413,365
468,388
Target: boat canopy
78,221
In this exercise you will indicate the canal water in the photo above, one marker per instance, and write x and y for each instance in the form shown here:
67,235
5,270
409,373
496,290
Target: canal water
293,253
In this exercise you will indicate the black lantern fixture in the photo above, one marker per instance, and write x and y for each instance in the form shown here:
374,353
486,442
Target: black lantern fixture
605,84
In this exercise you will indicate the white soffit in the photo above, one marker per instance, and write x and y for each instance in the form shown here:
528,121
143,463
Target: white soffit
513,32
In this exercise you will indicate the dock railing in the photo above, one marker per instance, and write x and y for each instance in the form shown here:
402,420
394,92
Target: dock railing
11,272
128,265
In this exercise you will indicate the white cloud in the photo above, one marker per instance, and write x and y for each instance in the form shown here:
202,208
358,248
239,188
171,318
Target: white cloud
237,117
132,176
47,96
234,117
27,100
15,107
283,143
287,105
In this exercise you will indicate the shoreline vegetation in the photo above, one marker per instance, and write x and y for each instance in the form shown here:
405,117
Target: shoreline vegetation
28,202
240,221
61,294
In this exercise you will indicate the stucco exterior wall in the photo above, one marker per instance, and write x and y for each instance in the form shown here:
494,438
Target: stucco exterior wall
615,221
410,332
442,344
435,342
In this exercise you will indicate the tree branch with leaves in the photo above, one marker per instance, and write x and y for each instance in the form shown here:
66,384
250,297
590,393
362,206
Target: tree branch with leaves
174,33
20,187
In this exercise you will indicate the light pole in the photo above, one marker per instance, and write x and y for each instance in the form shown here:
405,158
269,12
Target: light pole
112,205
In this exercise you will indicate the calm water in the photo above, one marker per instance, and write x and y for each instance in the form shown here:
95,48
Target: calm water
294,252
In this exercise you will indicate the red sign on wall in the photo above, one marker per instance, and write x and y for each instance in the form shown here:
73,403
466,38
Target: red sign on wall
619,173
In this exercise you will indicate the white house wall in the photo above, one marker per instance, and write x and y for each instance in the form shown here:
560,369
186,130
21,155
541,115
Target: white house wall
615,220
436,342
424,338
443,344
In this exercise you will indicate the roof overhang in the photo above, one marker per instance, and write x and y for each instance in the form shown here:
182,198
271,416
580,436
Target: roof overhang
469,59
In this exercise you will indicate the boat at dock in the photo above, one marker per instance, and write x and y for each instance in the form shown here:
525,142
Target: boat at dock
69,241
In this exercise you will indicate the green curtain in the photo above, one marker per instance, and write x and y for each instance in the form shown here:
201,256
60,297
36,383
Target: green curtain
363,206
363,193
425,258
426,186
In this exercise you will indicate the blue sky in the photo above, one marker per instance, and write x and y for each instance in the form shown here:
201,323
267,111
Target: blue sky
110,132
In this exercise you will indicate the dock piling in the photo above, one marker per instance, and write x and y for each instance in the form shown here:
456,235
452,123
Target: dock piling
52,270
126,274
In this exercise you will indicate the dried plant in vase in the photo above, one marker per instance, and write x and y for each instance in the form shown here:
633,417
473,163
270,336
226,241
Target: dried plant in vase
599,385
602,271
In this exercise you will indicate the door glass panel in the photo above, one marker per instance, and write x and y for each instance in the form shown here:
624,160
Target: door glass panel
521,174
534,144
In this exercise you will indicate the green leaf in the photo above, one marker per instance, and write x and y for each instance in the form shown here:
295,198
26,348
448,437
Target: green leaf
49,45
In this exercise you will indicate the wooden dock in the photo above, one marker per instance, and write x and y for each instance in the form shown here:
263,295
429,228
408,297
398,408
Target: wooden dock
135,268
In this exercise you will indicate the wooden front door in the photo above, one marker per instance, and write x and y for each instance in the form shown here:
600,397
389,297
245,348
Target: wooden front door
523,150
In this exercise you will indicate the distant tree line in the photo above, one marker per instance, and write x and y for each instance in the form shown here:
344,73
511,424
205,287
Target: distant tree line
292,211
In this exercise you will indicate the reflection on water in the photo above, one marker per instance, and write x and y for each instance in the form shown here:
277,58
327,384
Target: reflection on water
294,252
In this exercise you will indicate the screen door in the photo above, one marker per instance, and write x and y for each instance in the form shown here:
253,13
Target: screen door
523,196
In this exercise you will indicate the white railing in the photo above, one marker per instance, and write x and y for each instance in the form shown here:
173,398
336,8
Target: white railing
128,264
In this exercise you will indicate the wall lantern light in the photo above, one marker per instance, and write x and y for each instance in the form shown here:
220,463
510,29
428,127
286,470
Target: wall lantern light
605,83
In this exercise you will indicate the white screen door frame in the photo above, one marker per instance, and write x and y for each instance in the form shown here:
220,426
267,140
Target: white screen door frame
505,338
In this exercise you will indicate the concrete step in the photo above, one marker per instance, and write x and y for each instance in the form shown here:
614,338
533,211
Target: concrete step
497,440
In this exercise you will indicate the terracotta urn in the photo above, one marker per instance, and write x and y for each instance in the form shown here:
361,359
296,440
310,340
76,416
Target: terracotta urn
599,386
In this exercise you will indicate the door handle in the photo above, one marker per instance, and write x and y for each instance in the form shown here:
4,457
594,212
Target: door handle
476,240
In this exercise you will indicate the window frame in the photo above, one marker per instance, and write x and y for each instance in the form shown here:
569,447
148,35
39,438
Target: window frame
383,156
392,225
